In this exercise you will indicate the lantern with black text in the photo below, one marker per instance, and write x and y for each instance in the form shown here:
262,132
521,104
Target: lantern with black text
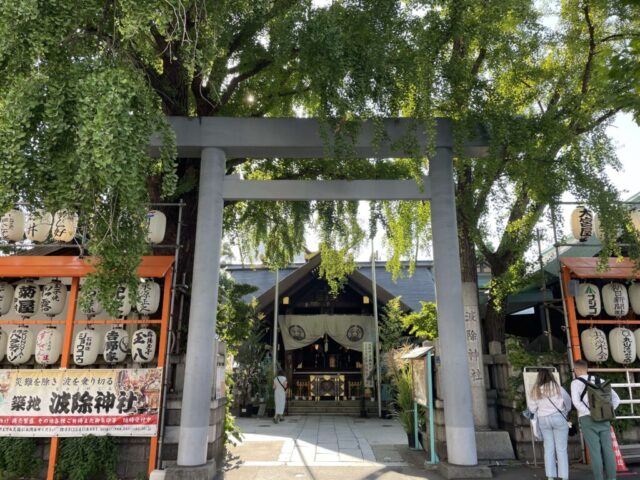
6,297
12,226
581,224
86,347
20,345
48,346
143,345
93,306
26,299
3,343
594,345
116,345
122,295
635,219
65,224
38,226
54,295
588,301
156,226
148,298
615,299
634,297
622,344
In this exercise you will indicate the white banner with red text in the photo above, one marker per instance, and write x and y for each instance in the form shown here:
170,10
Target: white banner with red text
77,402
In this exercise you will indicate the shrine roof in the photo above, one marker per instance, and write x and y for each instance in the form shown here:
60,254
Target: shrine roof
588,268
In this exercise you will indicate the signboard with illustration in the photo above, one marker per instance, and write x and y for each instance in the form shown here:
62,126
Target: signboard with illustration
72,403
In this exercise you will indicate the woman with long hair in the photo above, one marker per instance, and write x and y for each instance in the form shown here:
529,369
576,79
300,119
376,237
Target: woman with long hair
551,404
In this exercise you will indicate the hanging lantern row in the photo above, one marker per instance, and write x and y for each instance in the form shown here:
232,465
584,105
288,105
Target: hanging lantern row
584,224
15,226
28,297
62,226
114,346
20,345
616,299
622,345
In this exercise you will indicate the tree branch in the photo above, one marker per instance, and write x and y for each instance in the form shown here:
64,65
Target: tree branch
479,60
586,74
236,81
605,116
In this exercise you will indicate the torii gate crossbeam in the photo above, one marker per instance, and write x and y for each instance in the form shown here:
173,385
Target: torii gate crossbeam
213,140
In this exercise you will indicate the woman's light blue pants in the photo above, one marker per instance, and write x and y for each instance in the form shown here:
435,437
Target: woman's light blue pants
555,434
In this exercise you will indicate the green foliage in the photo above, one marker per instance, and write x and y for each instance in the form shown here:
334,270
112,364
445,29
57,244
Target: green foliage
236,318
18,457
87,458
400,376
423,324
231,430
248,374
391,325
83,84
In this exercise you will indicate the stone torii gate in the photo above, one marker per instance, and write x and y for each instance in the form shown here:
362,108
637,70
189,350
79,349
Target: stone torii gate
213,139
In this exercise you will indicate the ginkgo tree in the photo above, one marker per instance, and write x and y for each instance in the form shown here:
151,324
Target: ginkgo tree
84,84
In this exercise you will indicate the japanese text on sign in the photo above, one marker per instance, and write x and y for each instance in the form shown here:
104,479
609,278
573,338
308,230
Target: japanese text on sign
43,403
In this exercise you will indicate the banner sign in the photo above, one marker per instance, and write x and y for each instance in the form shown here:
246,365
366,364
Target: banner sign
350,331
73,403
367,364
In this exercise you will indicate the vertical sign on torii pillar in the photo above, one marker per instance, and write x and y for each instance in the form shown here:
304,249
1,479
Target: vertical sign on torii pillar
214,138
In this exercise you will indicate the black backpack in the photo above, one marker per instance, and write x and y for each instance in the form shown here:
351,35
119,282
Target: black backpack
598,392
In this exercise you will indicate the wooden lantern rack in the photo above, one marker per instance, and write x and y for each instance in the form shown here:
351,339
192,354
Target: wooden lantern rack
159,267
577,268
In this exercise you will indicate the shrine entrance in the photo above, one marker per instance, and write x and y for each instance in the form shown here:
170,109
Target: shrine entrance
214,139
325,342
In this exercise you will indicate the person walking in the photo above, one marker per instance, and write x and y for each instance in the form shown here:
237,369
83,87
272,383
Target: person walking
280,395
551,404
596,431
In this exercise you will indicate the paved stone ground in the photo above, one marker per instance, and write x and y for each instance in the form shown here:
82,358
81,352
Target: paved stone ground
343,448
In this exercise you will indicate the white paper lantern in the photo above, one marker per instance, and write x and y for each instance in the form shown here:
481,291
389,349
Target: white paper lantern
116,345
122,295
156,226
622,344
38,226
94,307
26,299
64,226
594,345
48,346
634,297
86,347
148,298
6,297
20,345
615,299
12,226
3,343
636,334
54,296
588,301
143,345
635,219
581,224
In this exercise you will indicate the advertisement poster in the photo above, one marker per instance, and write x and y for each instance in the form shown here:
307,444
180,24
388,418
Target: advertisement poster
73,403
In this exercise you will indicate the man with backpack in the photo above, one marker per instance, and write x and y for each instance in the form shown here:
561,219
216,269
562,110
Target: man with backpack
595,402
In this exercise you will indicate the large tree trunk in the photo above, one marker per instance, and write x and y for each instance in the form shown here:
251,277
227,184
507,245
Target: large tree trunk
495,318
